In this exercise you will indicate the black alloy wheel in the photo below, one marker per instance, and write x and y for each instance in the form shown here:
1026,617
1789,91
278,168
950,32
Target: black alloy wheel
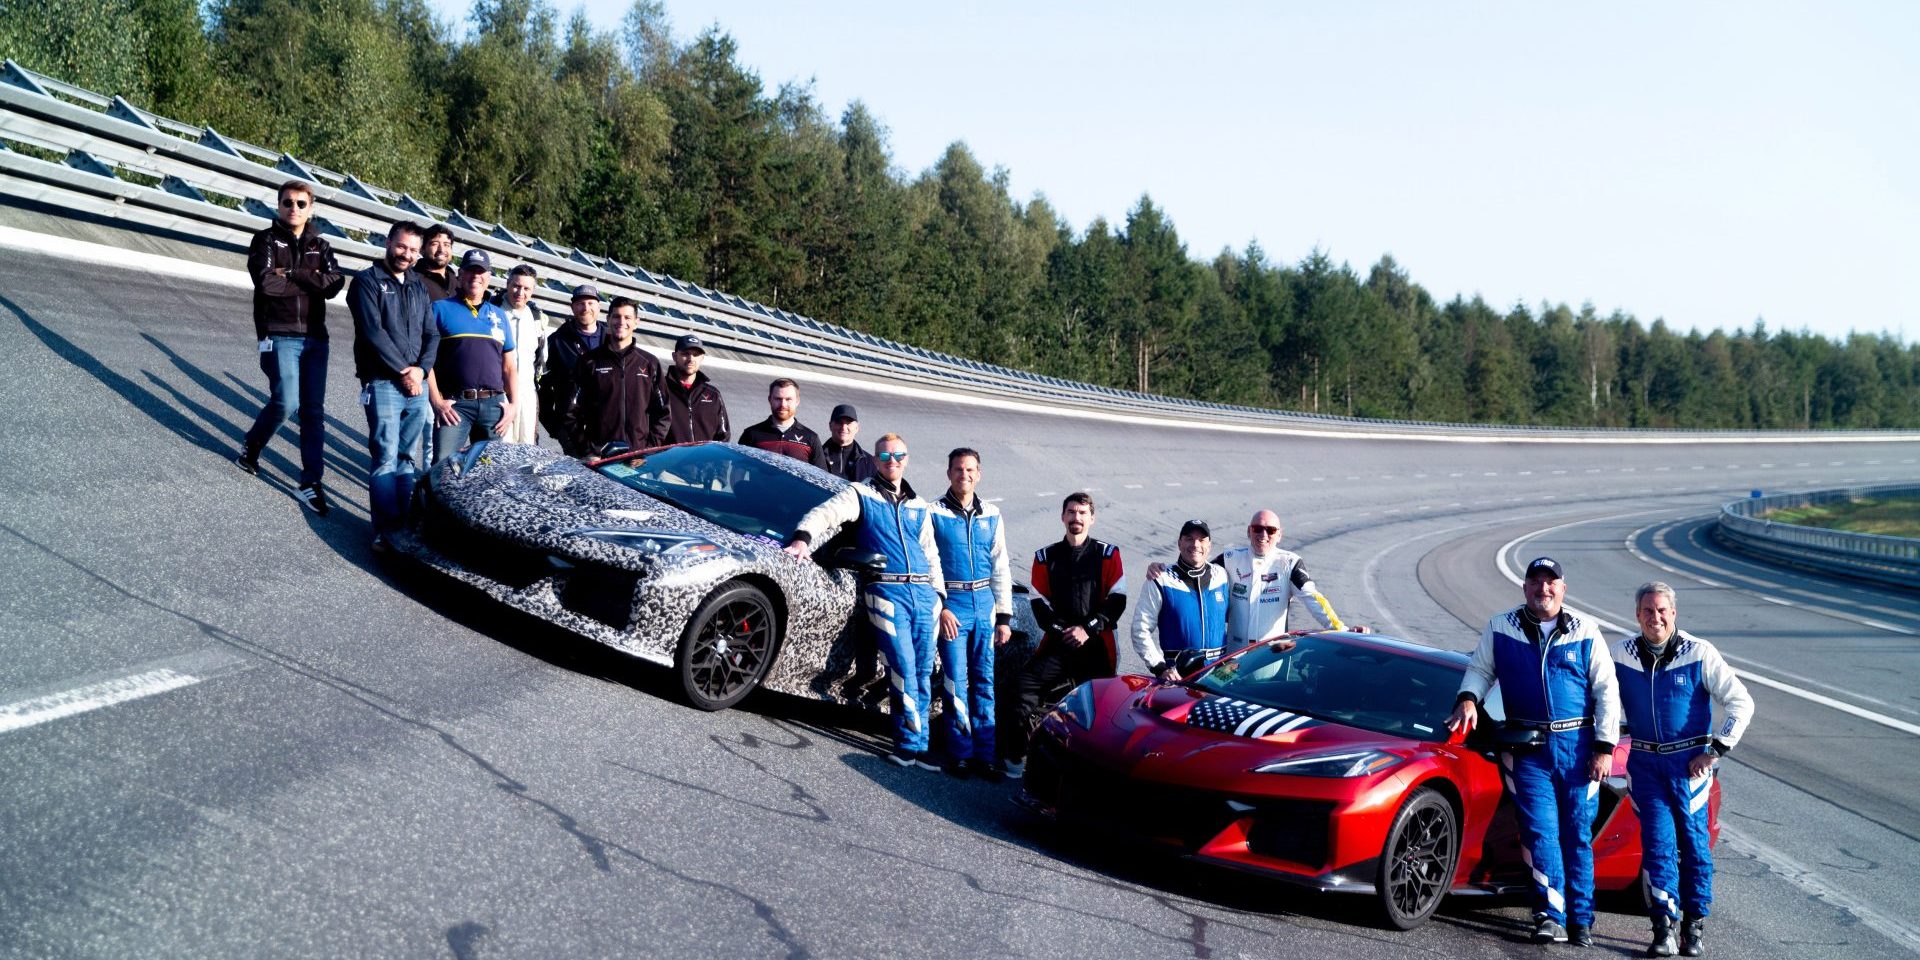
727,647
1416,866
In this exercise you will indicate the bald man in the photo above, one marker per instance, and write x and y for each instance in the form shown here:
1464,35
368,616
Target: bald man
1263,581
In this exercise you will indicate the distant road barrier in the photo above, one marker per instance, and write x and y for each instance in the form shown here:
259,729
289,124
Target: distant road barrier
123,164
1894,560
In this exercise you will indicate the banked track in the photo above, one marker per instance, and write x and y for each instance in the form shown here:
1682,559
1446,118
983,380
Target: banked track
334,758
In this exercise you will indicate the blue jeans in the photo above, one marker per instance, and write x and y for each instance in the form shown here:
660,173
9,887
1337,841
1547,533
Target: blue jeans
477,420
396,428
296,372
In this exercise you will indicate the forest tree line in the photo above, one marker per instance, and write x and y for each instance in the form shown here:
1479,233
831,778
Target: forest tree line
671,155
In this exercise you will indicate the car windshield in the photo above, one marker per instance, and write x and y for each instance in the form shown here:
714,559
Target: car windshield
1354,684
723,485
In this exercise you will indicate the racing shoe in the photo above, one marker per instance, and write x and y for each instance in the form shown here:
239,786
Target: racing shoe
315,499
986,770
959,769
1545,930
248,463
1014,769
1579,935
906,758
1690,945
1663,944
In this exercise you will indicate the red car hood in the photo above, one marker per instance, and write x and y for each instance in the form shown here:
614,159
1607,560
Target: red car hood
1178,727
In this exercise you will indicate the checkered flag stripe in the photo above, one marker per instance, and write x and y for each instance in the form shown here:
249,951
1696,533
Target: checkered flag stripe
1243,719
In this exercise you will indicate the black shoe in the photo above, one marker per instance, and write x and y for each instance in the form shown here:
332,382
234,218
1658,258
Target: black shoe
1579,935
959,769
248,464
381,545
1547,931
315,499
987,770
1690,945
903,758
1663,944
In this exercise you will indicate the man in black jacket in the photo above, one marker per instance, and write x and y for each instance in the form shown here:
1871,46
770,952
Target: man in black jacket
782,432
695,410
395,344
619,394
294,273
843,453
566,347
436,262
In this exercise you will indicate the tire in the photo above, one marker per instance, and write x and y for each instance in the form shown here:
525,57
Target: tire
728,645
1417,863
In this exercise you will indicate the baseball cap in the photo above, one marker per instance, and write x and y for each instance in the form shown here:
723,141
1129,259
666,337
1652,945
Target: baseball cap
689,342
1548,564
1196,526
476,260
844,411
586,291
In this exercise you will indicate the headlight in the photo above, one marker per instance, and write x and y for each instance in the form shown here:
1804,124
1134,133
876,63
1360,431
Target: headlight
1353,763
1078,706
658,544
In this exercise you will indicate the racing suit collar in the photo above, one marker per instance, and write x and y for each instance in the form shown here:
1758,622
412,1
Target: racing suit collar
953,503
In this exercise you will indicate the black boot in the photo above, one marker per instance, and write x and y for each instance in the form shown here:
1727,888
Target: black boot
1663,944
1690,945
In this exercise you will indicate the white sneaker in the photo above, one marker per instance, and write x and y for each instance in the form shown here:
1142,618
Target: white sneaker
1014,769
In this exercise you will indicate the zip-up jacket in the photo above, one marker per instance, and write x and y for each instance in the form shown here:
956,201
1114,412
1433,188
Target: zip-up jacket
1181,610
848,462
618,398
1668,698
696,412
1556,672
892,522
973,551
1079,588
292,304
795,441
392,324
1263,589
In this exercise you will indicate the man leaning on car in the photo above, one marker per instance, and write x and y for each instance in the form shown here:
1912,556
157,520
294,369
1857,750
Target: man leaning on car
1556,677
1183,608
1670,683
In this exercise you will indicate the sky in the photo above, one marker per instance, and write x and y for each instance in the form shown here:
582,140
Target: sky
1706,163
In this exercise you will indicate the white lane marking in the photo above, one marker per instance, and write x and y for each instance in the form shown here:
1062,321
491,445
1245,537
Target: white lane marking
1814,605
1836,463
995,499
1246,479
1211,483
1045,493
1173,483
1456,474
1506,570
1318,479
1558,472
34,711
1133,486
1802,876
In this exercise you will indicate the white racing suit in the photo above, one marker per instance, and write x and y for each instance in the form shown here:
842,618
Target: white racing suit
1262,589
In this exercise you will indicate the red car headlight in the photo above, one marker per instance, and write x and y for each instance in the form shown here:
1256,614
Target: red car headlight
1350,763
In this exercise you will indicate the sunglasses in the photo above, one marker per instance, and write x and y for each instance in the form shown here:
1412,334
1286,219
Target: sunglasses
890,455
296,204
1269,531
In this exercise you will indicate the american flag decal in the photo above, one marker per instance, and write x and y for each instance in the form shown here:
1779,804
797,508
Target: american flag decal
1243,719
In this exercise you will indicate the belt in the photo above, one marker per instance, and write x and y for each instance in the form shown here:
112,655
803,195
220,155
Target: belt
1672,747
478,394
900,578
1556,726
953,585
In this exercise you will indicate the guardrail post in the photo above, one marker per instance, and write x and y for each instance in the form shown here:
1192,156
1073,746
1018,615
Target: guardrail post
410,205
457,219
257,208
120,109
212,140
88,163
19,76
181,188
358,189
288,164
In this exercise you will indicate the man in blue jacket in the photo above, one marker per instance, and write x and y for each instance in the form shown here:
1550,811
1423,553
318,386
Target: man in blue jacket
394,344
1670,683
904,599
978,618
1556,676
1184,607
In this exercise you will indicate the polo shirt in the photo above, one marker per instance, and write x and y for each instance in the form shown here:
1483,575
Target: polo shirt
473,343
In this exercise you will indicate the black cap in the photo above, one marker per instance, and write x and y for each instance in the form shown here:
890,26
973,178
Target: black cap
1196,526
689,342
476,259
1547,564
844,411
586,291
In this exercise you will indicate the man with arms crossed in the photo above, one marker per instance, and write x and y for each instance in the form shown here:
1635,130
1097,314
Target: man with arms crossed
1079,593
1670,683
1555,676
902,601
978,617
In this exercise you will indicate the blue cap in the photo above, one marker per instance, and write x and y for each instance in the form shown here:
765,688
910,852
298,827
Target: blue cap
476,260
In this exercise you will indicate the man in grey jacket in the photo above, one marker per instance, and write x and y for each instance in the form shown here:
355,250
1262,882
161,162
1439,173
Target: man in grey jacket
395,341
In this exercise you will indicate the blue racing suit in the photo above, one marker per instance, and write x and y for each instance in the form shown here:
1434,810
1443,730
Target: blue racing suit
1557,677
902,602
1667,695
973,554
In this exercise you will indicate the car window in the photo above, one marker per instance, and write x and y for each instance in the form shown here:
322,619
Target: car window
1355,684
723,486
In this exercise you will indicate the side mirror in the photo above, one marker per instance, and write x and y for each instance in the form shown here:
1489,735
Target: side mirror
865,561
612,448
1188,661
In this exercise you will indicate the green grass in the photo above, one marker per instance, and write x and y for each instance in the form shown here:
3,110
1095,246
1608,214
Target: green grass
1893,517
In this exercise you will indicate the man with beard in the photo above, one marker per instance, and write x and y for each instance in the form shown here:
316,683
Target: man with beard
1079,592
1183,608
695,409
395,342
436,262
781,431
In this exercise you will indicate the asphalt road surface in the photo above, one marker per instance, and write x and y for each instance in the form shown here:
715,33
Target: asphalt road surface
277,746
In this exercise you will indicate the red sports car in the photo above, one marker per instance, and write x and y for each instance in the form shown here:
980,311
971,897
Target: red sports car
1322,760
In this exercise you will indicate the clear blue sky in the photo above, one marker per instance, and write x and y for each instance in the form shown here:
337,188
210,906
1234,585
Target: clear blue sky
1709,163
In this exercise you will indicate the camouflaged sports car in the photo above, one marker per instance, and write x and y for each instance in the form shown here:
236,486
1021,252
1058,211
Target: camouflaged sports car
672,555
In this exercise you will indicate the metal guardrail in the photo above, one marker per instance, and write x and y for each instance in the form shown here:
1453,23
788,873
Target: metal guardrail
123,163
1894,560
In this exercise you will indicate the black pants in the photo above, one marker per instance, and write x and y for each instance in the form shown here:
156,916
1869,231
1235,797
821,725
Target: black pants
1048,674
